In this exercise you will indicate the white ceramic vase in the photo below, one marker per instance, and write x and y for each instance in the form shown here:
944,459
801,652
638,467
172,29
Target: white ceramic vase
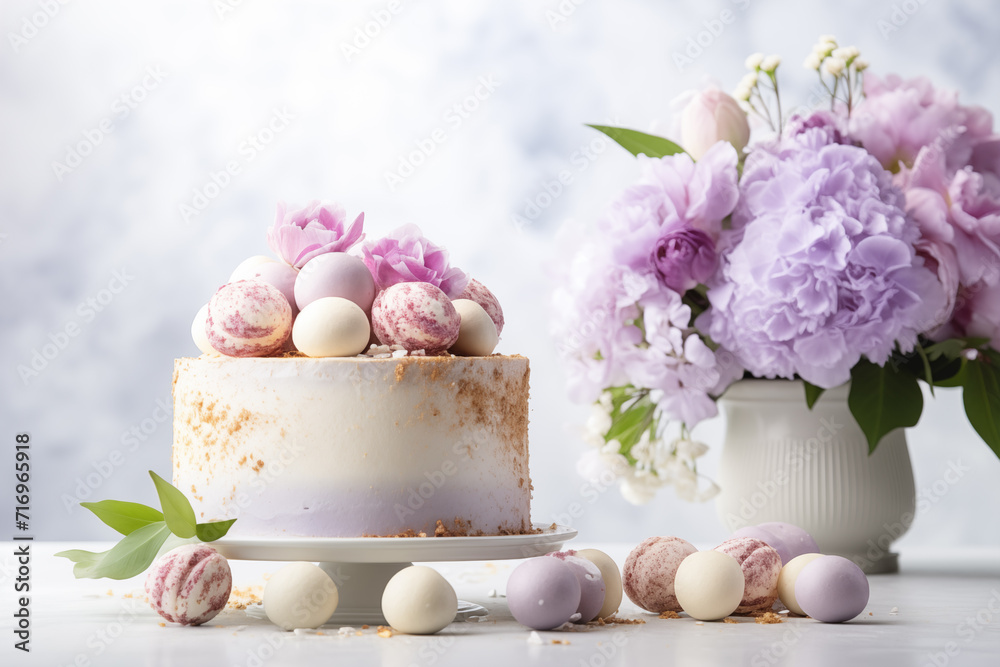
811,468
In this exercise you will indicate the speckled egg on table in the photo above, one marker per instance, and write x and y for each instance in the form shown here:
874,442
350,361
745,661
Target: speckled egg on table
761,566
190,584
417,316
649,570
248,318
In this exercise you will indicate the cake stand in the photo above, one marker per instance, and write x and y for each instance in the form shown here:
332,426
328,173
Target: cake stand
362,566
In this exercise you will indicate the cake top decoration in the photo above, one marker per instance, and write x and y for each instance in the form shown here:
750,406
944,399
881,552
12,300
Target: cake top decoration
300,234
405,256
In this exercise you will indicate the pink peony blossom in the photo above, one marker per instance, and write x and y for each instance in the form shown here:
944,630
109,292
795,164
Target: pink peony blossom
300,234
405,256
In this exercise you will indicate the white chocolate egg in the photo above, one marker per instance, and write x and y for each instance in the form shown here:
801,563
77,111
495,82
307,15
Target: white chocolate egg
419,601
477,334
709,585
331,327
199,335
612,579
300,595
247,269
248,318
786,581
417,316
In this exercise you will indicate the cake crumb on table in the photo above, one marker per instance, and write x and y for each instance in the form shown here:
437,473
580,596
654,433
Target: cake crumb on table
384,631
561,642
162,624
615,620
669,614
767,618
730,620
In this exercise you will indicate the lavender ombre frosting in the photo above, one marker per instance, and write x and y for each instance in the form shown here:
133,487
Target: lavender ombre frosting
346,447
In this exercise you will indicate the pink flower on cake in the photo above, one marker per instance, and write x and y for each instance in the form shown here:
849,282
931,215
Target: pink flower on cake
405,256
300,234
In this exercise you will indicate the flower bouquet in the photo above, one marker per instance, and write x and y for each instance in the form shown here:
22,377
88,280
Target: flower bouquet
855,243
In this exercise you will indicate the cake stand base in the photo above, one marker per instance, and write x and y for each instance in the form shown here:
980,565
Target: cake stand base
362,566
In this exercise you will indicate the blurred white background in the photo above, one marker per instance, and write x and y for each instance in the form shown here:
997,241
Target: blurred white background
166,94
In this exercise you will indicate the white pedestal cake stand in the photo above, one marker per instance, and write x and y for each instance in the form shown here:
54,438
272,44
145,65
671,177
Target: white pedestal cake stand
361,566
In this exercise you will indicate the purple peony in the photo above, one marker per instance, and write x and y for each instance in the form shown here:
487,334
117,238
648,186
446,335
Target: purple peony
820,266
405,256
684,257
300,234
899,118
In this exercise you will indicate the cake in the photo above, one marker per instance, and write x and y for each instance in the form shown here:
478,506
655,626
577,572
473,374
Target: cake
352,394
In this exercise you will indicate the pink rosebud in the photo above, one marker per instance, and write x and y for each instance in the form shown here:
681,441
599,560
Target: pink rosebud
190,584
710,117
683,258
405,256
300,234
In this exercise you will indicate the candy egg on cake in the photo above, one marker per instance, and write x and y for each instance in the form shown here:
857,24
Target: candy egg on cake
331,327
335,274
477,334
247,269
416,316
476,291
248,318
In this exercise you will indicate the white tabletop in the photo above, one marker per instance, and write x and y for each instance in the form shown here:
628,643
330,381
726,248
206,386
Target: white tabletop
943,609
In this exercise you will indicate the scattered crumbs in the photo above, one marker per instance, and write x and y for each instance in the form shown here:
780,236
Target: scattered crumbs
384,631
109,592
343,632
365,626
669,614
730,620
561,642
894,611
241,598
615,620
553,526
870,614
535,638
768,617
128,596
162,624
358,633
492,593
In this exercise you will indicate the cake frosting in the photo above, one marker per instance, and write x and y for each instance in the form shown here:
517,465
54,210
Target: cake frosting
354,446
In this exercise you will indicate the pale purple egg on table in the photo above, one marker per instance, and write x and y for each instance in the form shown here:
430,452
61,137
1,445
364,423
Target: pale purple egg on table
787,539
248,318
761,567
190,584
543,593
591,584
417,316
280,276
832,589
335,274
649,571
476,291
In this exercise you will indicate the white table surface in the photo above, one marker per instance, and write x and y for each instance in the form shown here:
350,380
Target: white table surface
947,612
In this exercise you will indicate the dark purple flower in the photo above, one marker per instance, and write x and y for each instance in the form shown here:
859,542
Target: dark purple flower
684,257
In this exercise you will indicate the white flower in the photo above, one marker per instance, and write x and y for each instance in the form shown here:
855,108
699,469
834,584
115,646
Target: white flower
846,53
597,465
770,63
753,62
813,61
606,401
824,49
640,488
709,492
828,38
860,65
690,449
686,489
834,66
642,451
742,94
597,425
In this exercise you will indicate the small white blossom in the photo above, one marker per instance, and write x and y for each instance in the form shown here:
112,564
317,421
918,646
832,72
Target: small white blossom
860,65
640,488
834,66
770,63
813,61
846,53
742,94
749,79
753,62
606,401
690,449
597,425
709,492
828,38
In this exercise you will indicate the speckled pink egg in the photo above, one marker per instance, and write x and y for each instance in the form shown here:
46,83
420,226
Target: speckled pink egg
476,291
281,276
190,584
248,318
591,584
417,316
649,571
335,274
761,566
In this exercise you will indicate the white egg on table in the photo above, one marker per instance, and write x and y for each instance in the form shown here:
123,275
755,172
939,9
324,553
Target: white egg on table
300,595
331,327
709,585
419,601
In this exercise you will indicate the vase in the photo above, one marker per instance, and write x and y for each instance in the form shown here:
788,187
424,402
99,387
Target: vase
782,461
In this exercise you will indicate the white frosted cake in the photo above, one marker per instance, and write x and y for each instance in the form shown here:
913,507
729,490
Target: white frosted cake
337,447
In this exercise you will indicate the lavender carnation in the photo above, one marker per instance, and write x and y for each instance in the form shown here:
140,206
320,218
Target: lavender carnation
819,268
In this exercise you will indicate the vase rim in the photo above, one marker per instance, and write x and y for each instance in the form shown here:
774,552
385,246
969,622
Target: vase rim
760,390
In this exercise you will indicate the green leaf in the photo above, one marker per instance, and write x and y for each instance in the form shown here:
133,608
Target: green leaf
125,560
883,398
953,347
177,511
213,530
812,393
981,395
928,373
122,516
639,142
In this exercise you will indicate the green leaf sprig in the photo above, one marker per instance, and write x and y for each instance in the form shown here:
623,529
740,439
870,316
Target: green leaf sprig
145,529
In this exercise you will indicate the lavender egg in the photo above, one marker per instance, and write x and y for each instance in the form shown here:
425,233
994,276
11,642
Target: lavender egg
832,589
280,276
543,593
796,540
591,584
335,274
768,538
